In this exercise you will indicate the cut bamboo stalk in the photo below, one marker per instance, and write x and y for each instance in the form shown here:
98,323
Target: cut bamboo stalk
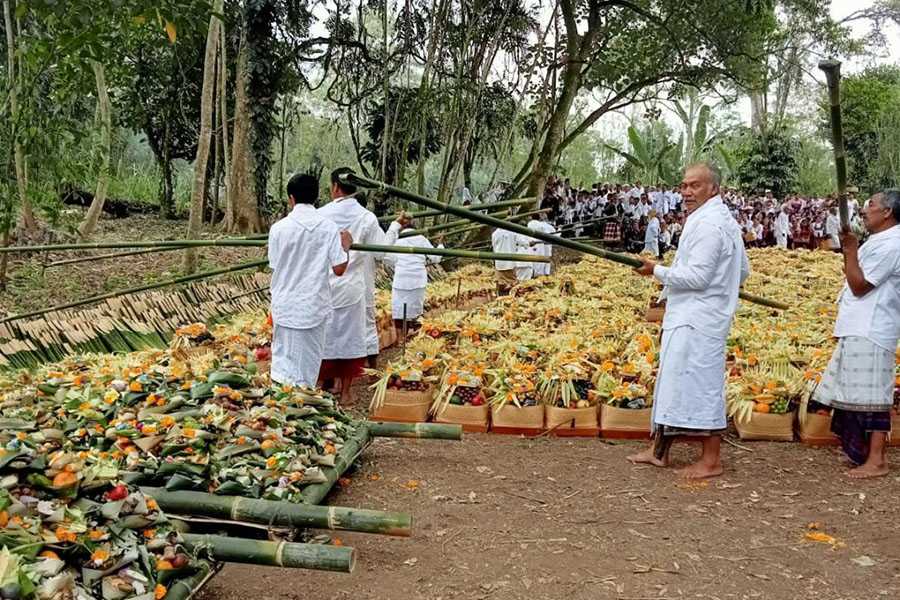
512,219
282,514
185,279
485,206
179,244
449,252
623,259
84,259
183,589
274,554
443,226
353,447
421,431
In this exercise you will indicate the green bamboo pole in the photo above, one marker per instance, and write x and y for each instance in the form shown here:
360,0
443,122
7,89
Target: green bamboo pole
449,252
274,554
183,589
84,259
442,226
623,259
486,206
142,288
420,431
283,514
832,69
511,220
353,447
175,244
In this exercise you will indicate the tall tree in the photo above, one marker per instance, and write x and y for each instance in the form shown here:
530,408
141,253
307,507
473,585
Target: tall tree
207,98
104,112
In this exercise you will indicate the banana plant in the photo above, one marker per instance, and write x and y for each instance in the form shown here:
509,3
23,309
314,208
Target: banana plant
652,166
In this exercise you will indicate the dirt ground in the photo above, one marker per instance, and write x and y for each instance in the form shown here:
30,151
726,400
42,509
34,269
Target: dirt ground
500,517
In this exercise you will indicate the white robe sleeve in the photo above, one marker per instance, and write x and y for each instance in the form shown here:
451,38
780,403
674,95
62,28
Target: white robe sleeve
696,273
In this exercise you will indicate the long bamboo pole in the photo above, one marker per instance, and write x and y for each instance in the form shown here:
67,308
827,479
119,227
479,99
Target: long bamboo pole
84,259
486,206
622,259
175,244
452,252
832,69
284,514
511,220
442,226
353,447
142,288
182,589
274,554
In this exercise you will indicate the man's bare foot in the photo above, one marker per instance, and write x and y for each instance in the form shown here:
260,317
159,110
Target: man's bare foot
647,457
868,471
701,470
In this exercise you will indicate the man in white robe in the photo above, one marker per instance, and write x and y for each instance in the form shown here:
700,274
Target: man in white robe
859,381
349,335
509,272
782,227
305,251
540,248
410,279
652,234
701,291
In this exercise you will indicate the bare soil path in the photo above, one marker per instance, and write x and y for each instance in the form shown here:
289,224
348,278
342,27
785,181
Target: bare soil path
505,518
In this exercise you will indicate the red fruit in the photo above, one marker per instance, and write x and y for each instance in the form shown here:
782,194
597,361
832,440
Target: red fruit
478,400
263,353
119,492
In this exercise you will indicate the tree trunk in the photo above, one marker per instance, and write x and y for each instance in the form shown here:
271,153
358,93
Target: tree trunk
28,220
167,198
244,216
200,164
223,114
547,157
103,108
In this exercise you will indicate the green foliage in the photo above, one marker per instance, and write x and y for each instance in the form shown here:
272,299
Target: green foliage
769,161
868,101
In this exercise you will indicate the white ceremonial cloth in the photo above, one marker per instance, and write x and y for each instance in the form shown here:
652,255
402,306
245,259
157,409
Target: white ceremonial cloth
358,282
303,250
690,385
297,354
508,242
651,237
413,299
373,344
347,334
702,285
875,316
411,270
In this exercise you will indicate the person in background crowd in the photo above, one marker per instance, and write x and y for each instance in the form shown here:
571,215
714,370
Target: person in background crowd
832,229
782,227
652,234
859,381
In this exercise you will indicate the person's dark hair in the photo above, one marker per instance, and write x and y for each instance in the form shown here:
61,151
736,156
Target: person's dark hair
347,188
303,188
891,199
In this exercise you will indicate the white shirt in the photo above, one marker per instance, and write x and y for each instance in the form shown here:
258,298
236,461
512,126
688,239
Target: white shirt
782,224
710,264
411,270
832,225
875,316
651,236
358,282
303,250
509,242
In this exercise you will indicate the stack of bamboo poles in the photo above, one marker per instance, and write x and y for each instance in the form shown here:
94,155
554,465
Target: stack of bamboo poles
130,322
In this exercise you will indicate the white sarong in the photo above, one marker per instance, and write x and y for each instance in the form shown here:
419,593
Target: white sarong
690,387
524,273
373,345
859,377
346,337
297,354
414,301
